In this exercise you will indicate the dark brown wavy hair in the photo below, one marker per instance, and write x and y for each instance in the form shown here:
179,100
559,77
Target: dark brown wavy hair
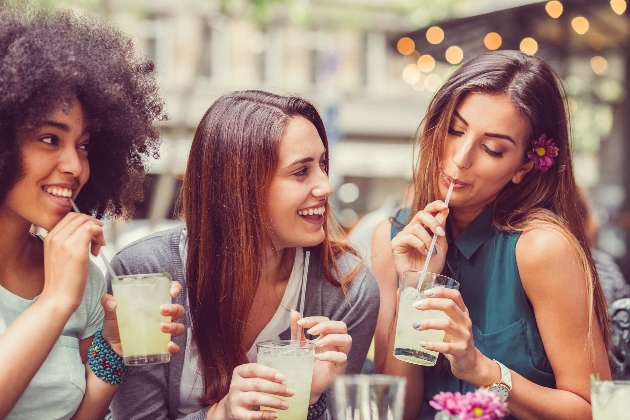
232,161
549,199
51,58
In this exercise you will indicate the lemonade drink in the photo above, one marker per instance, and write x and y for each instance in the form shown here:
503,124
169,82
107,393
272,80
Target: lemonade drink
138,299
407,341
610,400
407,344
295,361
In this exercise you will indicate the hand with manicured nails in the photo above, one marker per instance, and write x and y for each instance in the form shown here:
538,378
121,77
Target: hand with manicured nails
66,260
175,311
458,345
331,354
252,385
411,245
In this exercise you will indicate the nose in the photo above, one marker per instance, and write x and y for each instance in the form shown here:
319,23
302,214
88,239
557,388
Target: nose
70,162
462,153
323,187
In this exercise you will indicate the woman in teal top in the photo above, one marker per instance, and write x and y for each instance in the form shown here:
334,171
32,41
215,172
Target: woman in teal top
529,320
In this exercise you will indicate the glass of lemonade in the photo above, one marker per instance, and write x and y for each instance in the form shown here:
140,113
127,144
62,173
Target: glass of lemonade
610,400
295,361
138,298
407,342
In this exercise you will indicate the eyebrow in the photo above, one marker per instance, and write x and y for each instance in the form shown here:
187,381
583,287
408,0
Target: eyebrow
304,160
498,136
61,126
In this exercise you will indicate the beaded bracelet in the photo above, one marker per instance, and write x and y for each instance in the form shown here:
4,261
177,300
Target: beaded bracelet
316,410
105,362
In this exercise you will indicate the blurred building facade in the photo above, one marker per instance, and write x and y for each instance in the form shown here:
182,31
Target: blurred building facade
339,56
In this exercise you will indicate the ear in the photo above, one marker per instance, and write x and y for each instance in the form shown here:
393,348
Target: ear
518,176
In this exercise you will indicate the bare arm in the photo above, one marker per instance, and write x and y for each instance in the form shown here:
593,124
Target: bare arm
555,284
384,361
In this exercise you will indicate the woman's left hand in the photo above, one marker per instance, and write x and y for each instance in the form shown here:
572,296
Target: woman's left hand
110,323
458,345
331,354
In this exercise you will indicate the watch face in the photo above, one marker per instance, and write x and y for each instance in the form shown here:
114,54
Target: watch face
501,390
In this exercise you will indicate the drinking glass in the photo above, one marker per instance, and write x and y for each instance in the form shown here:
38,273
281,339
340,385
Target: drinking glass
138,298
294,360
610,400
407,342
368,397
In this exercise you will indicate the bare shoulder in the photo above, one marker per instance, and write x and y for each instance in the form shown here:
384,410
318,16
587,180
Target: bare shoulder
547,260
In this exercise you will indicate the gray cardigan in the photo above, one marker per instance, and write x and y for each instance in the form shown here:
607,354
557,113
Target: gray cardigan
152,392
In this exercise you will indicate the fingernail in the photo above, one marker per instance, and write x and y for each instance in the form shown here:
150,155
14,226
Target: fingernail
111,305
443,205
279,377
286,405
440,231
434,251
162,325
423,343
290,391
429,292
420,304
416,325
301,322
274,415
165,309
313,331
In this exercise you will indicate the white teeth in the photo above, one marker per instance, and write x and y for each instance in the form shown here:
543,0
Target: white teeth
311,212
59,191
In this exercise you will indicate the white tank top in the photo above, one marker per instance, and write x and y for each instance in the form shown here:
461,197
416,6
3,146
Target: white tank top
191,385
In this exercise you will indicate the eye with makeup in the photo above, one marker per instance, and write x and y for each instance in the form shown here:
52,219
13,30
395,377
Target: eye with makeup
492,153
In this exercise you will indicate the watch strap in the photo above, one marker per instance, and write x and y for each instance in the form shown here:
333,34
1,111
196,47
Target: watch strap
506,376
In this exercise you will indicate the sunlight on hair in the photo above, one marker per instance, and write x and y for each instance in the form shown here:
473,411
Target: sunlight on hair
599,65
426,63
580,25
411,74
554,8
406,46
618,6
454,55
492,41
529,46
435,35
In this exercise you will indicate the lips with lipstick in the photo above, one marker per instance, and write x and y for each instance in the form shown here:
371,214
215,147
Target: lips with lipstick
456,183
59,192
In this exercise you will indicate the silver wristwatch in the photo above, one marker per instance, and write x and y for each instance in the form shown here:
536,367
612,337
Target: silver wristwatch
504,386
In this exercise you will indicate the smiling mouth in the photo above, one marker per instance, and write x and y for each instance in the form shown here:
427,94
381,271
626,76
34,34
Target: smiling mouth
58,192
312,212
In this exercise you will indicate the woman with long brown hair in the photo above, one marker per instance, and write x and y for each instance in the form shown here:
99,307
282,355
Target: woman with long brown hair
529,319
258,227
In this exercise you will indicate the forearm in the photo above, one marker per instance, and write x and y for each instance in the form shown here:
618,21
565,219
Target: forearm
528,400
98,396
217,411
25,345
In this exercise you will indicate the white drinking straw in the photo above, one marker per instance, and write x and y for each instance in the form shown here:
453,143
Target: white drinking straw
432,247
100,251
307,256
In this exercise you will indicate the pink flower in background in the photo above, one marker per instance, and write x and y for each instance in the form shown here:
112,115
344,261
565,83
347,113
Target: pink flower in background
479,405
543,153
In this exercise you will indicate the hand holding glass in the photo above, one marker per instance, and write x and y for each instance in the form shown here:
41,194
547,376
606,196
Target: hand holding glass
138,299
407,342
294,360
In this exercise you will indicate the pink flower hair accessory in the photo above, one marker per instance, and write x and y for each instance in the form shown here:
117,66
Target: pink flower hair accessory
543,153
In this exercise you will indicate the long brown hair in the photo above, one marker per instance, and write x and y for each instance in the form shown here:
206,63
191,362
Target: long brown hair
233,159
549,199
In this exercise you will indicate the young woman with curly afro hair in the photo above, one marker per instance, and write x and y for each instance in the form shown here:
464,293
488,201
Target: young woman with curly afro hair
77,108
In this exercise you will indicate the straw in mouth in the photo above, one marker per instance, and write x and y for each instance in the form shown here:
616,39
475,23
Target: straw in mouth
434,240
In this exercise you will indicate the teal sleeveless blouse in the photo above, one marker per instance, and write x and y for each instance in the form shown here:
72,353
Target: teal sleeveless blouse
483,260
